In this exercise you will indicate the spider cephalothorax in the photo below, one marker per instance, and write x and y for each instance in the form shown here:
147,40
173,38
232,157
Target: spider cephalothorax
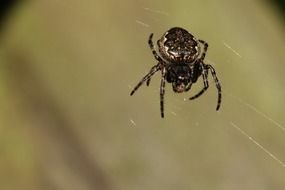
180,76
180,60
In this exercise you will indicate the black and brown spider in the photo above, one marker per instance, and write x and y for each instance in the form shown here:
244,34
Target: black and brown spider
180,60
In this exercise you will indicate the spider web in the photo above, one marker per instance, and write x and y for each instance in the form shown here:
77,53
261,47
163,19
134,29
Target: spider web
154,16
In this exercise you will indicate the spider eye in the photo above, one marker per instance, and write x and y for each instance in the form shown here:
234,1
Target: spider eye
181,85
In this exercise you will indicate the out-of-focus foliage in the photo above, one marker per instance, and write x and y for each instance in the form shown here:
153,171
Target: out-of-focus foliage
6,8
280,4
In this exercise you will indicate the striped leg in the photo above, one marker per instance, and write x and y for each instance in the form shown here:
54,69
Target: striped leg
162,91
218,85
152,71
148,82
150,43
205,49
205,81
156,56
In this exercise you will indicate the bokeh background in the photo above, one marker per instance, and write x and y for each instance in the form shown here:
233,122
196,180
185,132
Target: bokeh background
67,120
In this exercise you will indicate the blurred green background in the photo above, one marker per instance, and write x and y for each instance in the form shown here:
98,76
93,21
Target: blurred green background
67,120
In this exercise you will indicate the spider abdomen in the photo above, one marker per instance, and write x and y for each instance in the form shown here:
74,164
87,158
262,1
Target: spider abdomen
178,45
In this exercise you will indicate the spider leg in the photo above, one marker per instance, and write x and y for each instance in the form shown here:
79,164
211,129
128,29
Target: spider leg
204,50
152,71
156,56
162,91
150,43
218,85
205,81
148,82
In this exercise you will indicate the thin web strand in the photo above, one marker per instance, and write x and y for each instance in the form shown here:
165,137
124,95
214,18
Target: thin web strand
142,23
259,112
156,11
133,122
258,145
229,47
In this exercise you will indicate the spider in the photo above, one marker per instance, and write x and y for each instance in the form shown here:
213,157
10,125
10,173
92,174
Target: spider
181,62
